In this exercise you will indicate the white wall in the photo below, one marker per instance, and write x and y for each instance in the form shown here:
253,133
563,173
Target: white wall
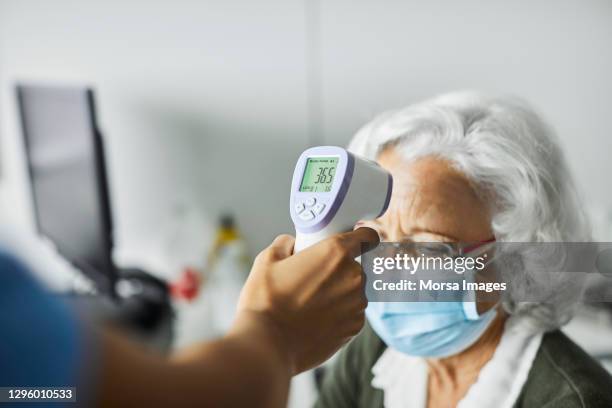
200,101
557,54
209,101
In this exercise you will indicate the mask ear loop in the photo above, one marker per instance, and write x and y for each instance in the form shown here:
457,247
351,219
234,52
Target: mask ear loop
478,248
470,306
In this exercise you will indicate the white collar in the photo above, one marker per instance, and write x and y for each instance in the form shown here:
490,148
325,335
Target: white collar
403,378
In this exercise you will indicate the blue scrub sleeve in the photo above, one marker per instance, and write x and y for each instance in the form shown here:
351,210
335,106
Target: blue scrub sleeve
41,340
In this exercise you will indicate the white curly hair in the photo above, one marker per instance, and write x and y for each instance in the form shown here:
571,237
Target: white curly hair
515,161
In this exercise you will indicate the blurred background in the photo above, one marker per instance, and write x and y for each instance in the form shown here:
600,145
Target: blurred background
205,106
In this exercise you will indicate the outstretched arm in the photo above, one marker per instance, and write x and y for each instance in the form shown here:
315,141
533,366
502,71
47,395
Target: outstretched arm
294,312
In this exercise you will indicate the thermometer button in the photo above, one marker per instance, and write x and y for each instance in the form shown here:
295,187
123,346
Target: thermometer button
318,209
299,207
307,215
311,201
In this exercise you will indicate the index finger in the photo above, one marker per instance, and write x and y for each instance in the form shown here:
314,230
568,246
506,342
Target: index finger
353,240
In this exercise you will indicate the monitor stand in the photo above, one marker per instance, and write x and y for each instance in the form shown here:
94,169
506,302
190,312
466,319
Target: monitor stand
140,308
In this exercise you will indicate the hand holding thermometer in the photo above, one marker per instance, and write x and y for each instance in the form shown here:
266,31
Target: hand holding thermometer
331,190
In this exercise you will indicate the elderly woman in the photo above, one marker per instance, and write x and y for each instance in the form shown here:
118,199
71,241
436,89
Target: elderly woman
472,168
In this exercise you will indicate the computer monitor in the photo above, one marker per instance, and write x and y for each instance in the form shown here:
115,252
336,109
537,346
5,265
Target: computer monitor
66,166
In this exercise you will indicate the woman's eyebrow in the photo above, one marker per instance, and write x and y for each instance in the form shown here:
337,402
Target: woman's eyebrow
444,236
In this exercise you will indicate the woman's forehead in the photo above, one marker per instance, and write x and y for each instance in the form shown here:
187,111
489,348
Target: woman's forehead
430,180
429,194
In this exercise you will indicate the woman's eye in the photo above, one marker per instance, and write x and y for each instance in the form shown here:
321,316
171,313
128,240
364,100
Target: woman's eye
434,249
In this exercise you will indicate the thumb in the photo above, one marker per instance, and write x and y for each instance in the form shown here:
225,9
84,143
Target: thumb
281,247
361,238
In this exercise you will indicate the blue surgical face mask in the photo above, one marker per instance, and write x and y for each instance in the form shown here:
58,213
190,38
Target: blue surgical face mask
430,328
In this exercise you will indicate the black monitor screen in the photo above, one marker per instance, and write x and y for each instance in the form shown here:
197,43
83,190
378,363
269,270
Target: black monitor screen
66,164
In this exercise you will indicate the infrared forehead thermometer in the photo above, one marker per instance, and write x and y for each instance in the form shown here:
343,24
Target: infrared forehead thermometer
331,190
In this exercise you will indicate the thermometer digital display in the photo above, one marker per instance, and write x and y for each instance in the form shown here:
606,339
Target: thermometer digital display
319,174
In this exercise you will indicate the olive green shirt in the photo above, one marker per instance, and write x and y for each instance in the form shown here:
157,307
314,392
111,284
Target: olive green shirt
562,376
